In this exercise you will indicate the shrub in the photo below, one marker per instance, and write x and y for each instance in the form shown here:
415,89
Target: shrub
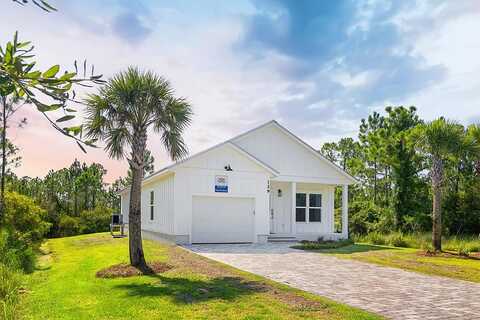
96,220
24,219
366,217
68,226
15,254
323,244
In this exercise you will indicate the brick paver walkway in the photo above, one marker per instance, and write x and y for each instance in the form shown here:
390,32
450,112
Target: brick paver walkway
393,293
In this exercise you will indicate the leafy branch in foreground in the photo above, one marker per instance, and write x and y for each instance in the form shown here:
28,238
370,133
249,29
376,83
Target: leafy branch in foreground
47,90
19,77
44,5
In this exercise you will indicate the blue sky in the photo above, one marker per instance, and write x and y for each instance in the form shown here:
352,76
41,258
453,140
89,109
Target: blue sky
318,67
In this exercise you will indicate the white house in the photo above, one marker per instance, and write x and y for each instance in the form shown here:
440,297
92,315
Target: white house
263,184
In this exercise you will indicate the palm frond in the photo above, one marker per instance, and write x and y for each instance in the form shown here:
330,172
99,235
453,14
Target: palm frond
131,102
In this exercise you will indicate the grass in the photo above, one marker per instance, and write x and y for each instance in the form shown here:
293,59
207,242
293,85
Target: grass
445,264
10,284
65,287
459,244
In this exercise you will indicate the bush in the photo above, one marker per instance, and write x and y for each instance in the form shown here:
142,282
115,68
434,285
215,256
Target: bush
23,230
15,254
366,217
68,226
322,244
24,219
96,220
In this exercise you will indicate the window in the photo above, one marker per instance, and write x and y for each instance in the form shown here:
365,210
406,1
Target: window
301,207
152,204
315,207
310,211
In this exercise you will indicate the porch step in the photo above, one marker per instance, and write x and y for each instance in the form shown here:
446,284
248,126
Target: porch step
274,238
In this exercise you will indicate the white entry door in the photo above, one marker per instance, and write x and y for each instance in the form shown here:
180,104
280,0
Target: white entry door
222,219
280,212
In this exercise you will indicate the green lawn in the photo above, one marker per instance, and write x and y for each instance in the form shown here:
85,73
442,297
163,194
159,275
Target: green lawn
65,287
412,259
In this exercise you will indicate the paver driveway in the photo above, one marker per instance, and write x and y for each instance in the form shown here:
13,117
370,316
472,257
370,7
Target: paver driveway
394,293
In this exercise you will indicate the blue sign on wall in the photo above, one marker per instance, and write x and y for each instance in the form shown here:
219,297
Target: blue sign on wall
221,184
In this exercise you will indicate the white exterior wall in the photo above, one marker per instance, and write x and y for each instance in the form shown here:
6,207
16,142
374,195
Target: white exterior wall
309,230
294,162
125,205
163,221
196,177
326,225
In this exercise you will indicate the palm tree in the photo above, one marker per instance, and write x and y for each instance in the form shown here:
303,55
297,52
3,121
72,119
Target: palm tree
120,115
439,140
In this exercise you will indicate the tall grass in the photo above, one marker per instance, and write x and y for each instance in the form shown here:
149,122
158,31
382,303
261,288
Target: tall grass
460,244
10,282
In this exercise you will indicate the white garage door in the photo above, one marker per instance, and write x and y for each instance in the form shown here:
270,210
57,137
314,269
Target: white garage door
222,220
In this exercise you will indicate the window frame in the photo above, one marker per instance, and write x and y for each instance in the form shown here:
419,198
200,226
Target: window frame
301,207
151,204
307,206
310,207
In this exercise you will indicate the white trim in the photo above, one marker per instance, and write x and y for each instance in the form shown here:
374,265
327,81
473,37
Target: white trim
307,206
345,211
315,152
271,170
294,208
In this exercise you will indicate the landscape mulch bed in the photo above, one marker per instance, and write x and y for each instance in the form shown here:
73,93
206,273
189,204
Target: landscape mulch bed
446,254
124,270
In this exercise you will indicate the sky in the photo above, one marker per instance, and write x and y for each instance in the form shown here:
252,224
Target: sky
317,67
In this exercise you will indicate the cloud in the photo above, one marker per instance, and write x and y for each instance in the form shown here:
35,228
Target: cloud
316,66
130,27
353,54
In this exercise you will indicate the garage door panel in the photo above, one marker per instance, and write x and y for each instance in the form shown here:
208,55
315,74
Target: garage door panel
222,219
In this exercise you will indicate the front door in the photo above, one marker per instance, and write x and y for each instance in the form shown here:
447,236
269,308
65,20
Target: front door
280,220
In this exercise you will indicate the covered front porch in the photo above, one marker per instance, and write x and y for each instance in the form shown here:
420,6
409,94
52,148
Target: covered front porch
305,210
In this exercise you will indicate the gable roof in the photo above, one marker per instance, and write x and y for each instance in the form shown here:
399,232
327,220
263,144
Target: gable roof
315,152
230,142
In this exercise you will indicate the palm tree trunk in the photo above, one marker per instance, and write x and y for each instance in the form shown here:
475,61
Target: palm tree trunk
437,177
137,257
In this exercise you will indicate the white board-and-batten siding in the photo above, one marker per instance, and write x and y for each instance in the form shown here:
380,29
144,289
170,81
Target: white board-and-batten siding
295,162
163,217
196,178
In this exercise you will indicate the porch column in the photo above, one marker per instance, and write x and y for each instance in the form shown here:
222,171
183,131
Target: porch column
345,211
294,196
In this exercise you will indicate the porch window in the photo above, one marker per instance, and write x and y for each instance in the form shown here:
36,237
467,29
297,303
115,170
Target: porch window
152,204
308,211
301,207
315,207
